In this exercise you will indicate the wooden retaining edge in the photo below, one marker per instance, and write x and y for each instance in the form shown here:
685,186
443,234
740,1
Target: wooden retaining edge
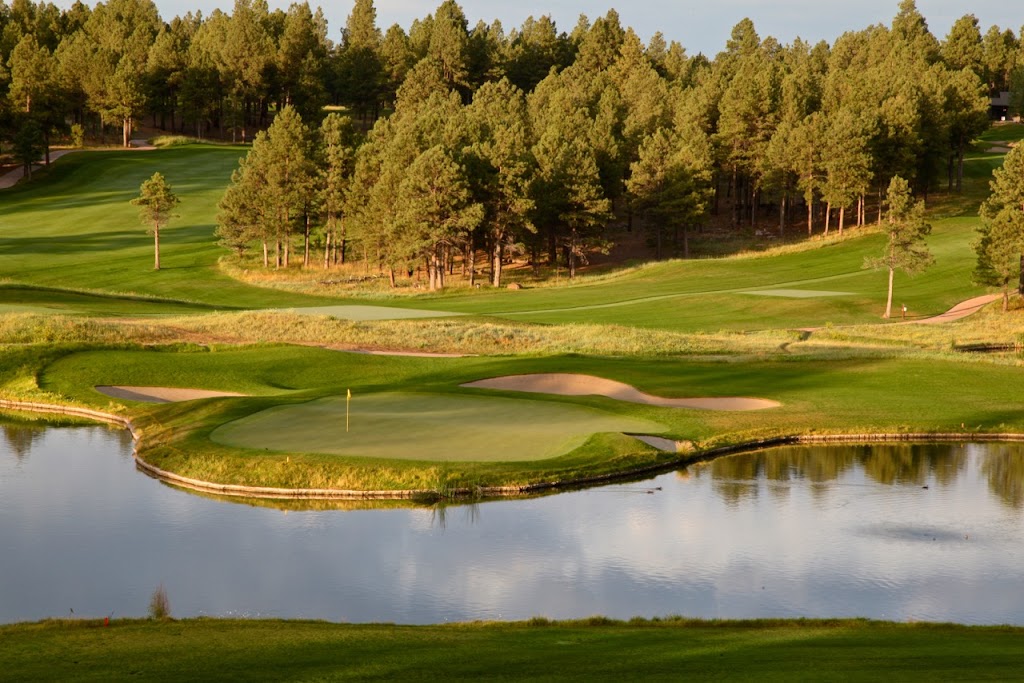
28,406
236,490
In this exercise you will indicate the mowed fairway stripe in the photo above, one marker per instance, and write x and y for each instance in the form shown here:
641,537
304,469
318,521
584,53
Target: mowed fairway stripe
410,426
360,313
797,293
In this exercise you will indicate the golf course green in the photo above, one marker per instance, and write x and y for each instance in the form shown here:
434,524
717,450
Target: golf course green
796,324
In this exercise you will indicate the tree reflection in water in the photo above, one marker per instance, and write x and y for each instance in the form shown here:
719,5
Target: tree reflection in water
21,437
739,478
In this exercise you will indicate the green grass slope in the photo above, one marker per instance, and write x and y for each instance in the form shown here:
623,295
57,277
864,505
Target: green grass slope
594,650
75,229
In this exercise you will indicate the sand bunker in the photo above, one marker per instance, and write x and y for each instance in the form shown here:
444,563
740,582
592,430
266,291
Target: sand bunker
160,394
587,385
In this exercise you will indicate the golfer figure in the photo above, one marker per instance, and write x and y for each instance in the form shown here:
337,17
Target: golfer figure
904,311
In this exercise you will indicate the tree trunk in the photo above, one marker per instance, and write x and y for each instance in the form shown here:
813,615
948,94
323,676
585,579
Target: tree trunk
126,131
571,256
156,246
842,218
327,250
277,253
266,255
305,237
888,300
782,214
734,196
496,262
960,171
471,258
391,276
880,206
810,217
1020,286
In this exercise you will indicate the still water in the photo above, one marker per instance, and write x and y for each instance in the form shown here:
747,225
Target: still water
888,532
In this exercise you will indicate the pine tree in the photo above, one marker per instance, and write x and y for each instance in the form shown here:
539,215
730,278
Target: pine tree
906,229
156,202
449,44
334,176
962,48
437,209
1000,249
502,167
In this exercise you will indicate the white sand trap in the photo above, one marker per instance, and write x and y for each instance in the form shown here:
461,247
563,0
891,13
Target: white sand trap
797,293
564,384
361,313
160,394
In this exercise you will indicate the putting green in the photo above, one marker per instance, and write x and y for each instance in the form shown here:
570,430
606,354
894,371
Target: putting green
428,427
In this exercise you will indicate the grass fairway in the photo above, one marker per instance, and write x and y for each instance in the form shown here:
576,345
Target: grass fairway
441,428
77,230
588,650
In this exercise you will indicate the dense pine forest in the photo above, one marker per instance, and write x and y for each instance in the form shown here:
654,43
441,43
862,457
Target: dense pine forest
449,146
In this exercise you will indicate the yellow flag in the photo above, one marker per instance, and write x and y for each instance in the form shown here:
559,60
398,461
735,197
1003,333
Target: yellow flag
349,393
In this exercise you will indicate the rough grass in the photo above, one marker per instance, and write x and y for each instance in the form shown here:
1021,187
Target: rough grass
591,649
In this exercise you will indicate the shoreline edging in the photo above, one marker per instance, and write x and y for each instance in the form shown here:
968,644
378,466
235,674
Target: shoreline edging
273,493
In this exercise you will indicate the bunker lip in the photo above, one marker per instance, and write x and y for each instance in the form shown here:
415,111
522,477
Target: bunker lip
160,394
565,384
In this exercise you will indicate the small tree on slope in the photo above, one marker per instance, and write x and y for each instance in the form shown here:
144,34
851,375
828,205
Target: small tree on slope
156,202
907,229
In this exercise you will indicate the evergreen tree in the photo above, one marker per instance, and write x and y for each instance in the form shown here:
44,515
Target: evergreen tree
119,35
397,59
846,163
906,229
1000,249
436,208
156,202
671,182
962,48
238,217
334,176
361,71
501,166
28,143
570,201
449,44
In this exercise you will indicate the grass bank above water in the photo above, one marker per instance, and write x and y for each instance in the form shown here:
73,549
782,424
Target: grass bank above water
595,649
854,393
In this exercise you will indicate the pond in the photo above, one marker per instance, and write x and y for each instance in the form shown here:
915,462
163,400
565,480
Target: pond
906,532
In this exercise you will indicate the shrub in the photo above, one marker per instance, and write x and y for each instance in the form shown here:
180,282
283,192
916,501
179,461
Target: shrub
159,604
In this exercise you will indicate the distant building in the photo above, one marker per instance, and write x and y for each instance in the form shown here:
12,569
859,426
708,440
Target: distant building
999,110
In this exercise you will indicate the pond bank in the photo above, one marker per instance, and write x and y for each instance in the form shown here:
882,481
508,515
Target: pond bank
280,493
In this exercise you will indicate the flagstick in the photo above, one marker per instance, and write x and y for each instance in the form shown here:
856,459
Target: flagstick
348,400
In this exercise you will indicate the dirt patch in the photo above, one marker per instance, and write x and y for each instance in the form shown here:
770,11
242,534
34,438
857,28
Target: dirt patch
564,384
160,394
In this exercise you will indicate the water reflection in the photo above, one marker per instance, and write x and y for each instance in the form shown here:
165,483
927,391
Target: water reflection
739,478
794,532
21,437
